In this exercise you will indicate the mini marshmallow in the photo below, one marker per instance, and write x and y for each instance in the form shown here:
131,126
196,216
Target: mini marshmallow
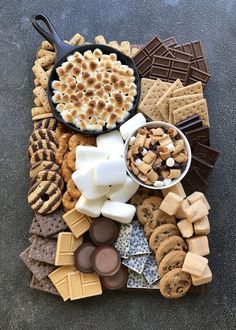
131,124
87,156
158,184
170,147
109,172
92,208
122,193
144,152
138,161
132,140
111,142
170,162
84,180
167,182
117,211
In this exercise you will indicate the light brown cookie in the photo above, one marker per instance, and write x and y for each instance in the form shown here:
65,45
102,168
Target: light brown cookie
144,213
41,144
159,218
71,160
48,175
49,123
175,283
43,165
172,243
73,190
43,134
68,201
44,197
141,195
154,201
174,259
160,234
66,172
42,154
79,139
62,147
61,129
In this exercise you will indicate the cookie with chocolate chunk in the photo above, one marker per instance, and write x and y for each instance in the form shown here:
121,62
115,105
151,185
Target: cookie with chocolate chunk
175,283
172,243
160,234
172,260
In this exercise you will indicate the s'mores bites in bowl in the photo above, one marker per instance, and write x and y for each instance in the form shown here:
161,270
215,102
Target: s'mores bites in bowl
158,155
94,90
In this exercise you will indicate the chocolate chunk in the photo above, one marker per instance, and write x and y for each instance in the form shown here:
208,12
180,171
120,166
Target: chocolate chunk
205,153
203,167
143,59
106,260
198,135
103,231
169,69
83,260
117,281
196,75
193,181
181,55
170,42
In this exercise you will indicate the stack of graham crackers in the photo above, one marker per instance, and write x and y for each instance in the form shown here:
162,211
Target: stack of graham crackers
171,102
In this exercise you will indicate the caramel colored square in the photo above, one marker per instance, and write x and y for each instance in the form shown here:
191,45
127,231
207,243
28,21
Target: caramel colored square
171,203
206,277
67,243
194,264
198,245
77,222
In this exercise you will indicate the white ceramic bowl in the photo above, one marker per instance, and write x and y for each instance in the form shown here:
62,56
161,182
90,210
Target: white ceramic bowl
155,124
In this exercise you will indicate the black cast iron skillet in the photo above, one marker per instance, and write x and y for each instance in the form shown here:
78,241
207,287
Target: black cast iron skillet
62,51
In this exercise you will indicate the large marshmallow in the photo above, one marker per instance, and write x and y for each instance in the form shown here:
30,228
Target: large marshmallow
117,211
130,125
86,156
109,172
84,180
122,193
92,208
111,142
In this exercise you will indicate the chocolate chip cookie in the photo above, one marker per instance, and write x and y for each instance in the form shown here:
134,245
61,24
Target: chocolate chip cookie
172,260
160,234
158,218
171,243
175,283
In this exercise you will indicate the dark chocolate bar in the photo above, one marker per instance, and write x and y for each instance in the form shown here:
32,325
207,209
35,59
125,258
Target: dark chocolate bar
193,181
196,75
195,49
143,59
198,135
206,153
169,69
187,121
170,42
190,123
202,167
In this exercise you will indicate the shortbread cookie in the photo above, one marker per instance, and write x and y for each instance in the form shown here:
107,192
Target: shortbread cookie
41,144
43,134
49,123
43,165
42,116
51,176
44,197
42,154
160,234
159,218
172,260
175,283
169,244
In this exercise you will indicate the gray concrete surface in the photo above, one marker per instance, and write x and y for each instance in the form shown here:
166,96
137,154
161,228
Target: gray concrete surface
214,23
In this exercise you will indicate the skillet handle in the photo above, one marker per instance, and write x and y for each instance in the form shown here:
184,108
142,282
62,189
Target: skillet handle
52,36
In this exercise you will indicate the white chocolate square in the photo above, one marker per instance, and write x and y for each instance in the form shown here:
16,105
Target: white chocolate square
196,196
86,156
84,180
194,264
130,125
198,245
186,228
196,211
122,193
110,172
92,208
117,211
171,203
206,277
202,226
111,142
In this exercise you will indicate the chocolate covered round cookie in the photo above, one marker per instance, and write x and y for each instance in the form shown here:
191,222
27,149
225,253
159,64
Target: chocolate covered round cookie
44,197
43,165
106,260
117,281
174,259
175,283
48,175
171,243
42,154
43,134
160,234
41,144
103,231
83,260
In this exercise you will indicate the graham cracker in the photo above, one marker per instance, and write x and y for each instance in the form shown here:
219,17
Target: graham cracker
44,285
43,249
149,104
181,101
83,285
39,269
146,84
190,89
67,243
60,280
196,108
163,103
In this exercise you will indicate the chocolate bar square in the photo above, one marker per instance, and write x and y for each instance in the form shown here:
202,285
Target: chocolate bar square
205,153
193,181
198,135
202,167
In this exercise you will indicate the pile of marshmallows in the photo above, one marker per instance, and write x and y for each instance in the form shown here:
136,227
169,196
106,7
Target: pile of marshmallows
101,175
